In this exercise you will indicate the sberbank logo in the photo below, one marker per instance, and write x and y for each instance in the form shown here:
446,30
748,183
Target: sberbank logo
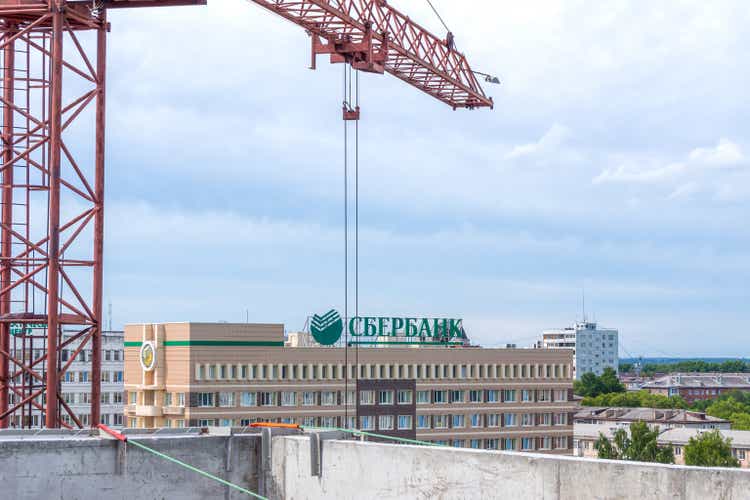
327,329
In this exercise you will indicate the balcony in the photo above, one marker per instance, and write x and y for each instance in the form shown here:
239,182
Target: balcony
148,411
174,410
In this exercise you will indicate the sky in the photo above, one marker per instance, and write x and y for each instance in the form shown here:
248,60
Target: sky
615,162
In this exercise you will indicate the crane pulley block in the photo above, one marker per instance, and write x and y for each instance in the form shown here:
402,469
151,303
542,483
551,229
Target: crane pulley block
362,55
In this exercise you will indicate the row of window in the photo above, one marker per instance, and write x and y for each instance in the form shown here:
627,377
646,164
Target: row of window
372,397
72,376
460,421
514,444
301,371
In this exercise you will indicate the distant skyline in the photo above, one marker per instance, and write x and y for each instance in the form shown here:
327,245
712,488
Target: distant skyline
616,159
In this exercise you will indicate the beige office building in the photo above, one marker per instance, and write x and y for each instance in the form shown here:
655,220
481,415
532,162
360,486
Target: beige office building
218,374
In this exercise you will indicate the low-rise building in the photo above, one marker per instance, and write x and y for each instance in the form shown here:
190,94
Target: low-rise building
654,417
586,435
209,374
594,348
698,386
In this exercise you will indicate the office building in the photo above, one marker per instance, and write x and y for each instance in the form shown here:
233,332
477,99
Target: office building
201,374
594,349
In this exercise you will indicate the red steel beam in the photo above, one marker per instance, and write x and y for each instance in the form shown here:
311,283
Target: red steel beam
407,50
7,219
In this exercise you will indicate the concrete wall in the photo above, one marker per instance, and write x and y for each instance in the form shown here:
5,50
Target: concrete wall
352,470
85,468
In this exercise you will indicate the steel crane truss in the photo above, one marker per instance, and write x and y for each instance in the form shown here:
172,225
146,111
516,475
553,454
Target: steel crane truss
51,275
375,37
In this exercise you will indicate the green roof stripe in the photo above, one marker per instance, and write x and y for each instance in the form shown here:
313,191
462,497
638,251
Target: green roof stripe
214,343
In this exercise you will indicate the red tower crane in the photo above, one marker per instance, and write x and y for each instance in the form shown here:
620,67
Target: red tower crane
52,216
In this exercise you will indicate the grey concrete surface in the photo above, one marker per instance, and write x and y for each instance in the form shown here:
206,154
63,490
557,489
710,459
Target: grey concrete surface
355,470
78,467
84,468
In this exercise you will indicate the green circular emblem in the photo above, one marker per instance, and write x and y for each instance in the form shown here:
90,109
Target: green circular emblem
327,329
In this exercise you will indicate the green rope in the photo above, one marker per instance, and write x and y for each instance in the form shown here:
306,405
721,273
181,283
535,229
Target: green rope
194,469
358,432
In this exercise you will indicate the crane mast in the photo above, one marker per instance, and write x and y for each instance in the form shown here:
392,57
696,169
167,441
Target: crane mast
52,210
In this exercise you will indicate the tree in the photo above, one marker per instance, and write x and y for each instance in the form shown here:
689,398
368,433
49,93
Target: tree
726,407
611,382
591,385
710,449
632,399
639,446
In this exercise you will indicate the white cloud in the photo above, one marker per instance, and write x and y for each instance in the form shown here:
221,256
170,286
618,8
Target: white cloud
551,140
639,174
686,190
726,153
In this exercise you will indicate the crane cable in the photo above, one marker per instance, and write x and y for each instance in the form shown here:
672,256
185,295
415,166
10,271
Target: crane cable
349,95
449,36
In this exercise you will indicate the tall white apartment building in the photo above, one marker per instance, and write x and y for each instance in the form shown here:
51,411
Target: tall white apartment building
76,384
594,349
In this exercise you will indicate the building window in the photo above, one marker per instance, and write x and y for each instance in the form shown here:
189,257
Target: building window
476,420
367,397
225,422
179,399
309,422
510,420
509,395
210,422
527,419
116,398
493,396
308,398
475,396
492,444
404,397
105,401
458,421
740,454
133,397
439,397
248,399
328,398
440,421
560,419
457,396
226,399
527,443
544,395
223,372
385,397
546,419
677,451
328,421
350,399
457,443
205,399
423,421
561,395
117,419
367,423
423,397
493,420
509,444
267,398
288,398
526,396
404,422
385,422
133,422
350,423
546,443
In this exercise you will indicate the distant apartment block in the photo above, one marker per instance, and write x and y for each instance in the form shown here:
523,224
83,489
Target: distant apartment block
231,375
75,387
594,349
586,435
654,417
698,386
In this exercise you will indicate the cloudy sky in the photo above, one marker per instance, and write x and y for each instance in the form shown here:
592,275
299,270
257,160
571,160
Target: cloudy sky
615,161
